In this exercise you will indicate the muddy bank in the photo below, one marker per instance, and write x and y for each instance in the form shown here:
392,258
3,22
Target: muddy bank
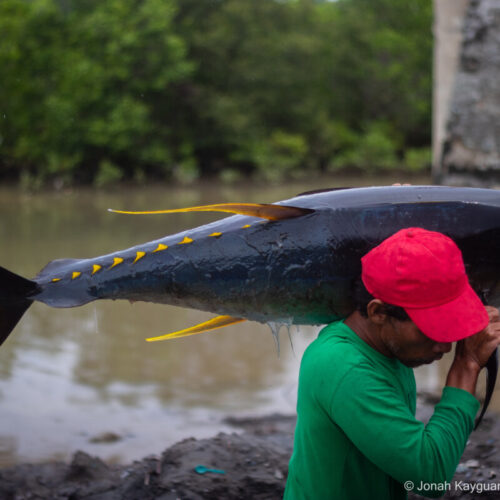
249,463
252,463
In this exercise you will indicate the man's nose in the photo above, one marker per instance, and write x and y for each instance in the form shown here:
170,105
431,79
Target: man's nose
442,347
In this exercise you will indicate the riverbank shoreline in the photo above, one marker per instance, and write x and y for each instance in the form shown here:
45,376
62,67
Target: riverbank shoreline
251,462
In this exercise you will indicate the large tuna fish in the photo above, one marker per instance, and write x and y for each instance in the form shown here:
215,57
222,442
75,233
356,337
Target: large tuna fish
294,261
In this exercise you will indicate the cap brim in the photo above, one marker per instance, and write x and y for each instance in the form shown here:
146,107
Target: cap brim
453,321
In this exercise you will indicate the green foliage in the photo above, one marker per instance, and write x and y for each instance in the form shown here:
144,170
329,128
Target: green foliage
375,149
281,156
230,176
108,174
85,83
186,172
95,91
418,159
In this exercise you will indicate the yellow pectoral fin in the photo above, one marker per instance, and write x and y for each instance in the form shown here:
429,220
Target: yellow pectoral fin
264,211
214,323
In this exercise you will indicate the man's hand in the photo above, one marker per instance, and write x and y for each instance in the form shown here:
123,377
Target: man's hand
478,348
472,353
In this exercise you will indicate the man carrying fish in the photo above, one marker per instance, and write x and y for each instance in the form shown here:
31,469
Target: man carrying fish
357,435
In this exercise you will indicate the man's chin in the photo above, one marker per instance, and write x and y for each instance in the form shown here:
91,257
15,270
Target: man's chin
414,363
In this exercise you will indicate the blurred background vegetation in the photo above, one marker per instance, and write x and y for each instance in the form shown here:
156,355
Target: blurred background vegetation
95,92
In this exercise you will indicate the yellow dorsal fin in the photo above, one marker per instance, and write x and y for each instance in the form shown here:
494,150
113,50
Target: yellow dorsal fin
212,324
264,211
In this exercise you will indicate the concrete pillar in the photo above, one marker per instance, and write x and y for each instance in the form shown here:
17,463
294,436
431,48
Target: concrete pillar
448,21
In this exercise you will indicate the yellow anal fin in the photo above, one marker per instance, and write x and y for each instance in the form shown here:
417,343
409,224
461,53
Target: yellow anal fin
214,323
264,211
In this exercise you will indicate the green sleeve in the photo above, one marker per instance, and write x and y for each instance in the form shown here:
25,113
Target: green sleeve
375,417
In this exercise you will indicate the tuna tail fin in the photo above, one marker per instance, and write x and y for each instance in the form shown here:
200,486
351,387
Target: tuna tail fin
15,293
491,378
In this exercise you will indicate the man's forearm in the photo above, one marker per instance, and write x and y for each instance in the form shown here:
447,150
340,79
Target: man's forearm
463,374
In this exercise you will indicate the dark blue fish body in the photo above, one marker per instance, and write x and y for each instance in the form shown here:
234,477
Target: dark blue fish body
298,267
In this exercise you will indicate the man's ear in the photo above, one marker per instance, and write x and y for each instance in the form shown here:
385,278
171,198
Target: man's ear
376,312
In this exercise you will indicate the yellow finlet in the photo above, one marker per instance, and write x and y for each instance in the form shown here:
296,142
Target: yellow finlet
138,256
75,274
246,226
212,324
185,240
116,261
55,280
262,210
160,247
215,235
95,268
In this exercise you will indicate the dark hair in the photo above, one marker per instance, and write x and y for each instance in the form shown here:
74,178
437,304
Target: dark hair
362,297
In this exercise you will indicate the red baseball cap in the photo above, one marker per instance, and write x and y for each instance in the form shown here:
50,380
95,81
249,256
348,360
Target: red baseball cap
423,272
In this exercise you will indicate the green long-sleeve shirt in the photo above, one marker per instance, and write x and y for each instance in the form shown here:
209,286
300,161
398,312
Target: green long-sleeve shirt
357,436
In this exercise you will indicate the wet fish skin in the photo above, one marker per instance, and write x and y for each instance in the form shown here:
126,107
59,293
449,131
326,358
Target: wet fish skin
299,270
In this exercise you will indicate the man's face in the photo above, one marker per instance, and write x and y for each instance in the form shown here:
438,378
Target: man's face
409,345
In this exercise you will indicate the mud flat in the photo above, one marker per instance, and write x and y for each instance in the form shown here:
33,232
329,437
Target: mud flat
250,463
